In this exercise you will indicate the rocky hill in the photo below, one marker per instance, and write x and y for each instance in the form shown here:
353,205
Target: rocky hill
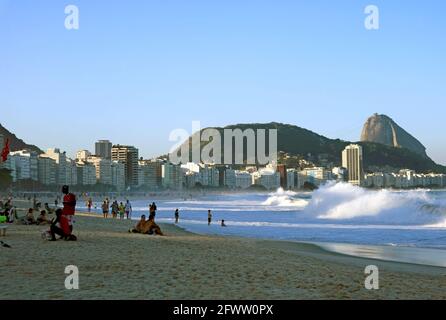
15,143
382,129
297,141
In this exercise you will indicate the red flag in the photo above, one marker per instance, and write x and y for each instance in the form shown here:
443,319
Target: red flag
5,151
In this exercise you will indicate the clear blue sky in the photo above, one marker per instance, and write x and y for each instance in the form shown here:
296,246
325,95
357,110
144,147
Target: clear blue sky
135,70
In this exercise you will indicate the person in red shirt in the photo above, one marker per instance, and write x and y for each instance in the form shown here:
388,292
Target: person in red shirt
68,211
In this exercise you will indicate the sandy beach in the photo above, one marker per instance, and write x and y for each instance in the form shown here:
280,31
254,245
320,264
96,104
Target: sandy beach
114,264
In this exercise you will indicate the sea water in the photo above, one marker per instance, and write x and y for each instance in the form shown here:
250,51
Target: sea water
335,214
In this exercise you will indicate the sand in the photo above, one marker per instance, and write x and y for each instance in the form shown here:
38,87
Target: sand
114,264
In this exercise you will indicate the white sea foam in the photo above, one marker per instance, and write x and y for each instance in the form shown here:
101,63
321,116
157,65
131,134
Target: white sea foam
282,198
342,201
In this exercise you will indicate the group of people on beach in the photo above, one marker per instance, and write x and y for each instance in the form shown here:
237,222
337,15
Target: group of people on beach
148,226
121,209
61,224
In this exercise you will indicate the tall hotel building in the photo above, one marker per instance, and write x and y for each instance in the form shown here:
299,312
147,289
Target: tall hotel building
103,149
352,160
127,155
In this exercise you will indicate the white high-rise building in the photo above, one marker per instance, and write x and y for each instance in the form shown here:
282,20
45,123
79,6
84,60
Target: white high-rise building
209,176
150,173
266,177
243,180
61,161
352,160
172,176
118,175
82,155
103,169
71,173
26,164
230,180
128,155
47,168
86,173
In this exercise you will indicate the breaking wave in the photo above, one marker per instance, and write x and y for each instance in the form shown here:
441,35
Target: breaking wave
282,198
342,201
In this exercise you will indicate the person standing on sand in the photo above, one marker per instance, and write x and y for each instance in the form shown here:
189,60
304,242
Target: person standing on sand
152,210
68,211
105,209
89,204
209,217
115,209
177,216
121,211
128,210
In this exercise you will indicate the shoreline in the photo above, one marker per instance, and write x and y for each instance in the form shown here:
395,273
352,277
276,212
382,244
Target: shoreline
418,256
114,264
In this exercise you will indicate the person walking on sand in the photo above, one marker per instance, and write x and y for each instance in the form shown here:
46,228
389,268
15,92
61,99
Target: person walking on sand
177,216
105,209
128,210
121,211
89,204
114,209
209,217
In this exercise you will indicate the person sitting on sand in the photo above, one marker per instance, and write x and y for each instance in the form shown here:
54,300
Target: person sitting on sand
139,226
150,227
57,228
48,209
29,218
42,218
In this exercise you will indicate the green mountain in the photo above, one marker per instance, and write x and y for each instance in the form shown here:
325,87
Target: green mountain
15,143
308,145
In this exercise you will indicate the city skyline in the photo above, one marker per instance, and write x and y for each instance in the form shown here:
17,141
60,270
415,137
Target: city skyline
221,64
